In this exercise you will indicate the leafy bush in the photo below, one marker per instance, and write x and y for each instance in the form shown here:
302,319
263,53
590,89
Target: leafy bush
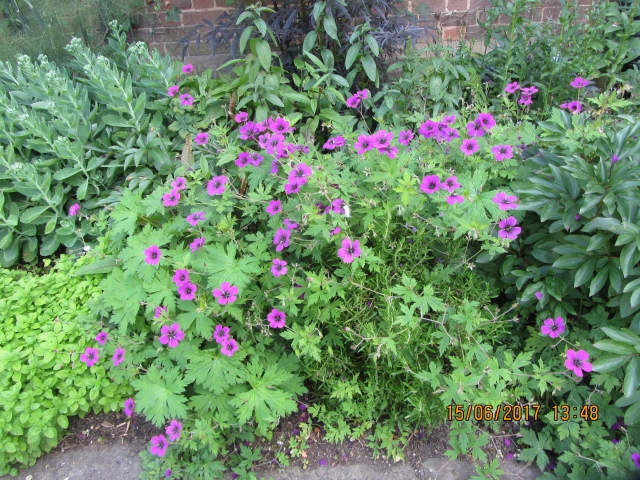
41,379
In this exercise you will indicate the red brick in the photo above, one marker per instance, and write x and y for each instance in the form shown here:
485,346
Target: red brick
181,4
200,4
452,33
195,17
157,46
551,13
163,23
434,6
459,5
451,21
149,20
475,32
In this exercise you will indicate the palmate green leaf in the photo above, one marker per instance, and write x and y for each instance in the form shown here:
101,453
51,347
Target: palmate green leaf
159,396
226,268
214,371
133,257
264,399
428,301
125,214
162,290
204,325
122,295
538,446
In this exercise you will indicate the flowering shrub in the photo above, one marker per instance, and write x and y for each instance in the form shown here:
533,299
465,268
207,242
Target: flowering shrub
46,373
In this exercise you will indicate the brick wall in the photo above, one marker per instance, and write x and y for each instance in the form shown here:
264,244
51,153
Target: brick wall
453,19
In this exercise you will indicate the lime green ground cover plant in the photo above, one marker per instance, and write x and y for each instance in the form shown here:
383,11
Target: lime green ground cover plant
42,381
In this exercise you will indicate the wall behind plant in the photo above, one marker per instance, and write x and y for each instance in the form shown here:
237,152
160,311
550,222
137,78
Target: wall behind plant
453,20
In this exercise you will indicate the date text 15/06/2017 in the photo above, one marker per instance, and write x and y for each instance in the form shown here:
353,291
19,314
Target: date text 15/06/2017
519,412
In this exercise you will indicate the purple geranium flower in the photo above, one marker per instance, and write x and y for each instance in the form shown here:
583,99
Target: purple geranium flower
363,144
363,94
450,184
430,184
280,125
508,228
159,310
469,146
221,333
334,143
539,295
195,218
102,337
475,129
186,100
525,100
118,356
502,152
579,82
322,462
291,188
196,244
152,255
167,473
486,120
279,267
171,199
241,117
636,459
577,362
74,209
229,347
299,174
512,87
180,183
453,199
405,137
187,291
159,445
552,327
281,239
173,90
381,139
188,68
504,201
216,185
171,335
173,430
275,207
227,293
428,129
276,318
349,250
181,276
353,102
202,138
129,407
90,356
614,158
290,224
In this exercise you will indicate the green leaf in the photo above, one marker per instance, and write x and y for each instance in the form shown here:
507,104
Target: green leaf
585,272
570,261
598,281
246,34
264,54
309,41
63,421
369,66
631,378
226,268
622,335
159,395
632,414
352,54
123,296
126,212
626,401
33,213
116,121
82,189
606,363
330,27
66,173
101,266
373,44
214,371
628,258
613,346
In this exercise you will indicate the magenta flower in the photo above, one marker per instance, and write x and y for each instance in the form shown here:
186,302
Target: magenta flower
450,184
363,94
508,228
173,430
196,244
276,318
291,188
636,459
525,100
539,295
275,207
349,250
337,206
159,310
448,119
216,185
102,337
428,129
552,327
195,218
453,199
229,347
171,335
188,68
290,224
322,462
281,239
334,143
187,291
353,102
173,90
180,277
504,201
227,293
90,356
579,82
364,144
335,231
241,117
272,143
615,441
573,107
180,183
469,146
486,120
389,150
529,91
74,209
299,174
430,184
244,159
186,100
202,138
577,361
614,158
171,199
382,139
159,445
512,87
221,333
167,473
507,442
118,356
510,455
279,267
502,152
129,407
281,126
152,255
405,137
475,129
